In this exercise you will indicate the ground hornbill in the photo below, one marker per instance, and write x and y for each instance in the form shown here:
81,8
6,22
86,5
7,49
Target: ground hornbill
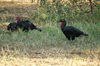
12,26
26,25
69,31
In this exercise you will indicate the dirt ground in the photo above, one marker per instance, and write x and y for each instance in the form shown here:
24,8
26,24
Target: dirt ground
10,10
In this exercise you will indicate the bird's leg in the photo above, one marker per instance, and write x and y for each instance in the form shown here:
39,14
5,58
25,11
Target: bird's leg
23,29
71,39
64,46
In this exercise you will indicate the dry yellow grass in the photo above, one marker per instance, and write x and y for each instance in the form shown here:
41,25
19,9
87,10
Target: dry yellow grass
4,24
51,57
11,10
48,62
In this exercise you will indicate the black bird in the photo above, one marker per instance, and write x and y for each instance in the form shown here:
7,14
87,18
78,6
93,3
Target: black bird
26,25
12,26
69,31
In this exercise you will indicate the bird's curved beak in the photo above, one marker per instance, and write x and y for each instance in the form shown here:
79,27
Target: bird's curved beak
15,18
58,21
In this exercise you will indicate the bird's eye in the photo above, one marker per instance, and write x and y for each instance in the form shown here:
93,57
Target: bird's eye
62,20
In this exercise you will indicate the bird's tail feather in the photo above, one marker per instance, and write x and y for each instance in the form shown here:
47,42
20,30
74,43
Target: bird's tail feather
86,35
39,29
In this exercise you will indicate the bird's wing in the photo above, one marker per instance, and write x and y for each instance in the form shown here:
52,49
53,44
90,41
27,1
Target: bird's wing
33,26
8,27
71,30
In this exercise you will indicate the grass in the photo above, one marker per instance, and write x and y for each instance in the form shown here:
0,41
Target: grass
49,47
50,44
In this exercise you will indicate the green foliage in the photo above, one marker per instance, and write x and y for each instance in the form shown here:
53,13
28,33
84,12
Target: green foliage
43,2
66,11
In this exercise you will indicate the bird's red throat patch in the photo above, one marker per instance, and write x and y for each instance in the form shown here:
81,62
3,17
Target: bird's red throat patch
62,20
18,19
61,24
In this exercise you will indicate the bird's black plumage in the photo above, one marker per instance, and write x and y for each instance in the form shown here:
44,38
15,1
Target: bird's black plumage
12,26
26,25
69,31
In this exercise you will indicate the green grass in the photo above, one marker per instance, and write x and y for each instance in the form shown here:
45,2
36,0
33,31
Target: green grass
52,36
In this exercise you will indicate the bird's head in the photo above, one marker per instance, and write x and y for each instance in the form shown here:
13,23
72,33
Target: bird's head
62,21
17,18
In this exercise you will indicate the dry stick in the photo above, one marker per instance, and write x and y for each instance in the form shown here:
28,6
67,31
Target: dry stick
91,6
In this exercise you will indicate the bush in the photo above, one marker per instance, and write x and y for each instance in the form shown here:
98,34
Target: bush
68,12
